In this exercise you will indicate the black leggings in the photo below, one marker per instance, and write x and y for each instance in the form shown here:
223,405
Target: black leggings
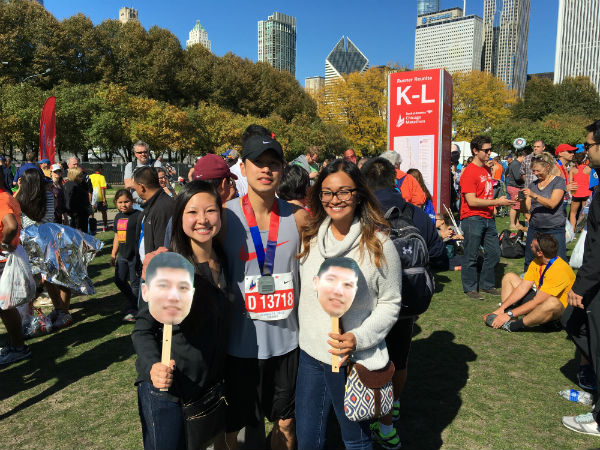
124,275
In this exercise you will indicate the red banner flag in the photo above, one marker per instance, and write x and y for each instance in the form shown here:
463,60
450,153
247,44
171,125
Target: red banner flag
48,130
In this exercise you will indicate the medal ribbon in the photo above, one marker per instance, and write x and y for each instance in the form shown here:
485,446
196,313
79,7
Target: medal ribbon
545,270
265,261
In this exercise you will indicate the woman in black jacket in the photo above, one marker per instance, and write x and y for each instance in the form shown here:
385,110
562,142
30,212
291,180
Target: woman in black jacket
77,199
199,342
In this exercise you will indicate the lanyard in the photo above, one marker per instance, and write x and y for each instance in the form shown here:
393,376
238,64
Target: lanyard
265,261
545,270
563,170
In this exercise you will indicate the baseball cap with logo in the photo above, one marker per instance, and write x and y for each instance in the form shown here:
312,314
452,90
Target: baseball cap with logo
212,167
257,145
564,148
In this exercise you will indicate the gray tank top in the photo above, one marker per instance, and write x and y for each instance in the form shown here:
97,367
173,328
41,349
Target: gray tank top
256,338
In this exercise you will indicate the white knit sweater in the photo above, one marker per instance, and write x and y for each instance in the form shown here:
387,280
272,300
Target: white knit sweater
376,305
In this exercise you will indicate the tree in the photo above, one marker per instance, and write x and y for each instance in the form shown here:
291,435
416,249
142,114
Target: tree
357,104
539,99
480,102
21,106
577,96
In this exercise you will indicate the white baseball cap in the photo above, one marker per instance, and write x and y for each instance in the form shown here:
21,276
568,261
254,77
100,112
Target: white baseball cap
55,167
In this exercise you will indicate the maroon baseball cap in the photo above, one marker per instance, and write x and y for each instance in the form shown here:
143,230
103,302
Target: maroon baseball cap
211,167
564,148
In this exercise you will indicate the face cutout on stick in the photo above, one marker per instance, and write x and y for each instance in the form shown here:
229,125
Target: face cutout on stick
169,288
336,284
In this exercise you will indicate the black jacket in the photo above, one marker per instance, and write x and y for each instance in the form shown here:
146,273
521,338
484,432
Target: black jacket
77,200
158,211
199,343
587,282
391,197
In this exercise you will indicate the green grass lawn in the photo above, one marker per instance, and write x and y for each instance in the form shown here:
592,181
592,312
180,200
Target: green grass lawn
469,386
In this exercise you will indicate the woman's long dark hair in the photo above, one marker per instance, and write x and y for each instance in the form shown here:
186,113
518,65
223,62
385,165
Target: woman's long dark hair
367,210
32,194
416,173
180,242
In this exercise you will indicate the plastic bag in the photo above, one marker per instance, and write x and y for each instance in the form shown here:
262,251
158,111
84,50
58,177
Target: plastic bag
33,321
577,255
569,232
17,285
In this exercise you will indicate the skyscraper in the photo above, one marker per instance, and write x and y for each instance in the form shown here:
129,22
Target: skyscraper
198,35
446,39
427,6
126,14
505,34
277,42
344,58
578,40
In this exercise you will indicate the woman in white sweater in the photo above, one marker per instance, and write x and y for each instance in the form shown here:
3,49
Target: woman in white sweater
345,223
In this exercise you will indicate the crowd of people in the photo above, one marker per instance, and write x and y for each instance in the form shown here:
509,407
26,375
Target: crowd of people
267,253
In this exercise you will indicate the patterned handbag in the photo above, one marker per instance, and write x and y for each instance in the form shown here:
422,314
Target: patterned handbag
369,393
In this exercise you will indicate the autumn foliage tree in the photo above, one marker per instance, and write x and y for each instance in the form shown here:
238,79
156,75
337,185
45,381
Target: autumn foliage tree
357,103
480,102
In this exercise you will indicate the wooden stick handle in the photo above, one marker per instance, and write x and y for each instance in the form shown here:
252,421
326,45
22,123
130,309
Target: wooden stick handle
166,347
335,359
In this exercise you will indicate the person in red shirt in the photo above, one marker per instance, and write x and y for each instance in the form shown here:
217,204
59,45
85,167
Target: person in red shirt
408,185
477,221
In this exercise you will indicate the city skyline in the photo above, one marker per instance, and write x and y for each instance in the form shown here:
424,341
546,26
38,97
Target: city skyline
385,34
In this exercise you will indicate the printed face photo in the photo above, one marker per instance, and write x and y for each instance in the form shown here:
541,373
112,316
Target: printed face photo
336,287
169,295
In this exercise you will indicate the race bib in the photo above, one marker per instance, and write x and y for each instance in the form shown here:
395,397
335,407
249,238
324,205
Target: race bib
275,306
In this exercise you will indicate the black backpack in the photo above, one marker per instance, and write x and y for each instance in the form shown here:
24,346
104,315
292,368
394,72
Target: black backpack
417,280
512,244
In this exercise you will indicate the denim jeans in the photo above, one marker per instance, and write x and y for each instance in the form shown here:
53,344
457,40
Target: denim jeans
479,231
318,389
127,281
558,233
162,420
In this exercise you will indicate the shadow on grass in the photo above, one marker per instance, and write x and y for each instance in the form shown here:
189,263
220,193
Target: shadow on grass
48,362
438,370
440,281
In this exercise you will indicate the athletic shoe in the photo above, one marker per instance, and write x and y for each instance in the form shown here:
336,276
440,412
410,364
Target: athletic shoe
492,291
389,441
489,320
10,354
63,320
586,378
396,413
474,295
583,423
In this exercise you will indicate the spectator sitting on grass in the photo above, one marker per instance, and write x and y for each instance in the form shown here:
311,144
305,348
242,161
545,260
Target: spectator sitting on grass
553,278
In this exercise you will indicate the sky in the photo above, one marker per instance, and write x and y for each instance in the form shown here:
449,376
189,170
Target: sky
383,30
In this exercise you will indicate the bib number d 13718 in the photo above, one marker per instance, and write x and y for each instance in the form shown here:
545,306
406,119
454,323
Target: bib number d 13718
276,305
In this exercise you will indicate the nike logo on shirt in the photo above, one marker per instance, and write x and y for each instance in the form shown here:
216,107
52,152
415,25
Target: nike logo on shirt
245,256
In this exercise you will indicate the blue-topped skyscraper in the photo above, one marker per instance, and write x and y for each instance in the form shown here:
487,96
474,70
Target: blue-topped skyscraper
277,42
427,6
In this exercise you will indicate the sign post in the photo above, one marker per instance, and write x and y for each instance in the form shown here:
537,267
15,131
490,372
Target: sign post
420,126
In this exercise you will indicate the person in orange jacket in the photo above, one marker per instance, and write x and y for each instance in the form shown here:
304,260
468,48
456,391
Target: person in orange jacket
407,184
